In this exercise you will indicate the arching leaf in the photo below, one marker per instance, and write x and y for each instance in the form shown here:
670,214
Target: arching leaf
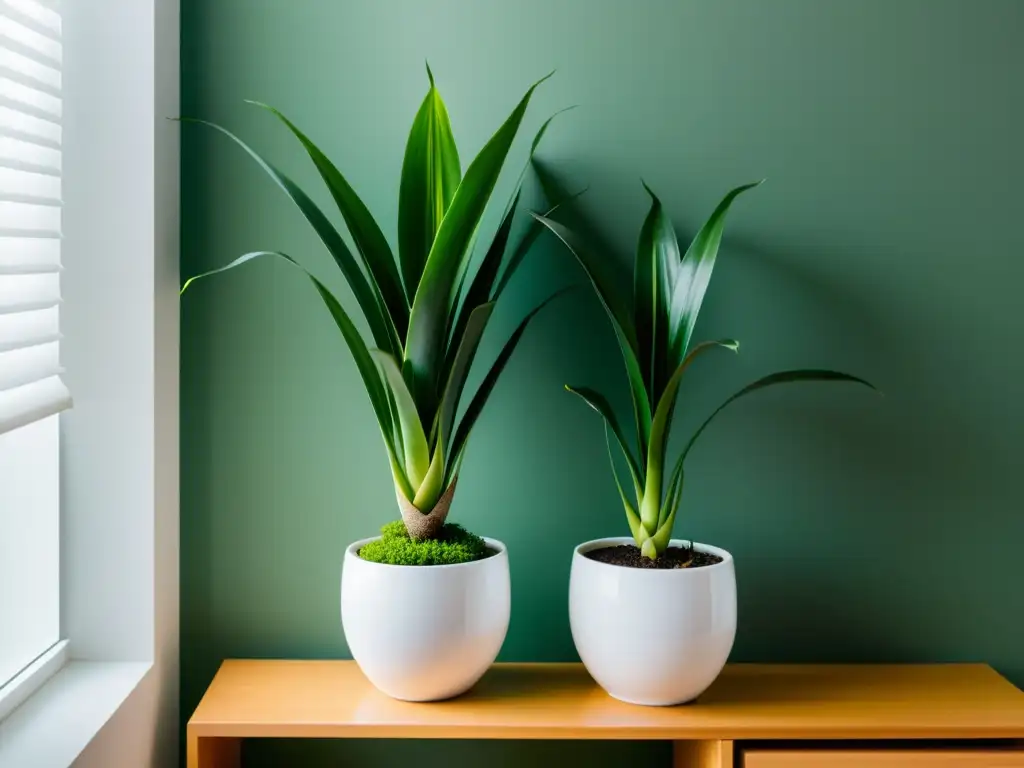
526,241
460,369
369,240
370,302
480,287
782,377
360,354
632,519
476,405
600,403
621,324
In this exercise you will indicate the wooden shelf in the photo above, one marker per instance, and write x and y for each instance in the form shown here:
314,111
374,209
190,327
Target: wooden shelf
332,699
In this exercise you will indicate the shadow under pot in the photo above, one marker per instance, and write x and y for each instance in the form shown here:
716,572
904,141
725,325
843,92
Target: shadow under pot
652,636
425,632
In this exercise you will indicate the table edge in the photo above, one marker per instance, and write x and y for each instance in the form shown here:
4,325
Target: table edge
205,727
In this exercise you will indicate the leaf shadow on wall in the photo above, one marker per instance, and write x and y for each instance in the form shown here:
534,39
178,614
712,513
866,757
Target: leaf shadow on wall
857,557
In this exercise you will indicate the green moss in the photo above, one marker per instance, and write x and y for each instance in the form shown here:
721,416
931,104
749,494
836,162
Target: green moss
454,545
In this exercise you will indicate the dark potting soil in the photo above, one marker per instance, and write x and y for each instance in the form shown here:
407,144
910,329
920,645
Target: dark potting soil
628,555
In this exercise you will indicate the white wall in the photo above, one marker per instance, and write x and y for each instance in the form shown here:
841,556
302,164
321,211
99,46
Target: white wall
120,459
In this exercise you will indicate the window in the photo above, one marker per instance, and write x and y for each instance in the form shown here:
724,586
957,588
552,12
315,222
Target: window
118,452
31,391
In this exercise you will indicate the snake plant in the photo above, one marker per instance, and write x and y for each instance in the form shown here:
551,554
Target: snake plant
654,333
426,310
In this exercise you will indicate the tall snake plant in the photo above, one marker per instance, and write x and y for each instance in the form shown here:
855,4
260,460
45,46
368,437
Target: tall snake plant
426,310
654,334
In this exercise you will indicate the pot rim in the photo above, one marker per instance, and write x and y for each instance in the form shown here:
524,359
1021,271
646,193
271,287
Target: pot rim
593,544
352,551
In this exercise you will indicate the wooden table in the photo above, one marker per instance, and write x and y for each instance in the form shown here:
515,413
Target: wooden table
754,716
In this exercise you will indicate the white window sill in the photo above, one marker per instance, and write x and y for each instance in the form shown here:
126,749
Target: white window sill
32,678
58,721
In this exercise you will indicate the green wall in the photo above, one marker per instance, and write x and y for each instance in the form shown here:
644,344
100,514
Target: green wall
887,242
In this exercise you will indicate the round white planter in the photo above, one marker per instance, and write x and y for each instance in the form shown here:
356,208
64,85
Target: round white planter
424,633
655,637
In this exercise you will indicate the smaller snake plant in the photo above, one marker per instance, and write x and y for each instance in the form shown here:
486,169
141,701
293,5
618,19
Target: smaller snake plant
654,336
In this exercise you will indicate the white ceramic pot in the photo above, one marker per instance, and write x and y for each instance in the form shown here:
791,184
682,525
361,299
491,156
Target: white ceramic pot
656,637
429,632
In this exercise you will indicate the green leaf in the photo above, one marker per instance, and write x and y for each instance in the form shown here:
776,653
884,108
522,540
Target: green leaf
782,377
529,237
436,297
360,354
654,280
650,509
656,544
402,485
544,129
414,440
621,324
599,403
369,240
383,330
467,348
480,288
370,379
476,405
533,150
695,274
672,496
430,490
659,542
631,517
396,425
454,467
430,176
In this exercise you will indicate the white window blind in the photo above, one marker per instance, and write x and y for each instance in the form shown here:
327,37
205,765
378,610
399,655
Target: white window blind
31,390
30,213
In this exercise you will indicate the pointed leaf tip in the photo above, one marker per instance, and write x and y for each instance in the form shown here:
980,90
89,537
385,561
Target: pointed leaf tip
430,75
540,133
539,82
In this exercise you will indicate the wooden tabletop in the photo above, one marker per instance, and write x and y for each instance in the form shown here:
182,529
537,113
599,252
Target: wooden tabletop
332,699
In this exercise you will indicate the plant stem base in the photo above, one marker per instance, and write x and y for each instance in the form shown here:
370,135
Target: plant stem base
426,525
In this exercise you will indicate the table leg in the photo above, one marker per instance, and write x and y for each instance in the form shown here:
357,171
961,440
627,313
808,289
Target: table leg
214,752
710,753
